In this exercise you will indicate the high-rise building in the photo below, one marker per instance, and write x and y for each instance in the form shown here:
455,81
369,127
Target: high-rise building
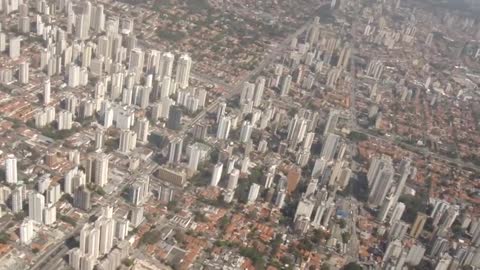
415,255
65,119
217,174
90,241
380,186
106,228
246,131
141,128
248,91
101,169
286,84
175,118
377,164
36,204
194,159
98,19
253,193
127,141
165,194
136,217
331,122
418,225
233,179
11,169
26,232
14,47
121,228
405,172
344,58
139,191
259,89
330,146
82,25
50,215
24,72
17,199
175,150
82,198
165,65
304,208
73,75
397,212
46,91
99,139
296,130
183,71
223,129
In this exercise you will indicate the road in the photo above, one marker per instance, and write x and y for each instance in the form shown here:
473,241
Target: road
354,243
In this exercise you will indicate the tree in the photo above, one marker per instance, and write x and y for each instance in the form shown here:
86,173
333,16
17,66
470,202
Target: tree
357,136
325,267
342,223
275,243
345,237
150,238
413,205
352,266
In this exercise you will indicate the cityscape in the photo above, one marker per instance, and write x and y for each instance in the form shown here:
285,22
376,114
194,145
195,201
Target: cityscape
240,134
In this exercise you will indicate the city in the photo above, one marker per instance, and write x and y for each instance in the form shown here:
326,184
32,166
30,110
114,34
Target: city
239,134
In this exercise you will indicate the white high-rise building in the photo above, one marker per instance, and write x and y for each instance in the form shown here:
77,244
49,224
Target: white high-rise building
183,71
175,150
127,141
217,174
17,199
23,72
101,169
99,139
73,75
26,232
65,119
380,186
253,193
135,64
14,49
246,131
36,204
90,241
82,26
286,84
233,179
397,213
108,118
98,20
165,65
194,159
259,88
106,227
50,215
46,91
223,129
141,128
11,169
